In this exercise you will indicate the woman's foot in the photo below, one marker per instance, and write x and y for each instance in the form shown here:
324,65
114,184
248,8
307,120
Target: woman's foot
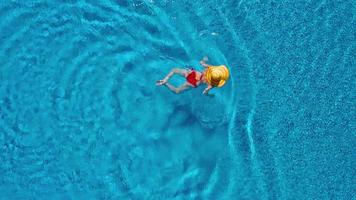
161,82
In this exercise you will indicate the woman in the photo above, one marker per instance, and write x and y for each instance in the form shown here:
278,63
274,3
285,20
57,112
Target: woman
213,76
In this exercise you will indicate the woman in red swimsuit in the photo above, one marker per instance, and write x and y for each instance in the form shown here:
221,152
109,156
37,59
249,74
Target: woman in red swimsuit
213,76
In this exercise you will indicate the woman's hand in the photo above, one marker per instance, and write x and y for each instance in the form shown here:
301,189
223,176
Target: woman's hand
207,89
205,59
207,94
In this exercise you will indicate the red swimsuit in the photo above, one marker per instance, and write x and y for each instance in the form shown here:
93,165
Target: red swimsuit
191,78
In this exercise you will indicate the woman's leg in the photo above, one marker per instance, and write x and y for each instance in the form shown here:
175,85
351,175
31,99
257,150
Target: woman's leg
177,89
182,72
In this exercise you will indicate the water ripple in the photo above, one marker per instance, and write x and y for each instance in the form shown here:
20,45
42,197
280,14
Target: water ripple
81,118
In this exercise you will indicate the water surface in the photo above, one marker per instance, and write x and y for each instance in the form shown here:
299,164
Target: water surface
81,117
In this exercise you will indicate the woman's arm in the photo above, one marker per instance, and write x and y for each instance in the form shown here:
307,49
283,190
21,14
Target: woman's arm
207,89
204,64
204,60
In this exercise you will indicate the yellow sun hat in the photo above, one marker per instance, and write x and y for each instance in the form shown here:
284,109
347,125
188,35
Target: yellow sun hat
217,75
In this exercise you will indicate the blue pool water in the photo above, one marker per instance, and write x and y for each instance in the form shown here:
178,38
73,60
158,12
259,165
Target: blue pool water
81,117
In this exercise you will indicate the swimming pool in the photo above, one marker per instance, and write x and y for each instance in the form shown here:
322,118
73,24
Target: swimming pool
81,117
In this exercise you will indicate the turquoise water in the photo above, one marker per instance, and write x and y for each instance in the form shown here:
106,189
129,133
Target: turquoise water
81,117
